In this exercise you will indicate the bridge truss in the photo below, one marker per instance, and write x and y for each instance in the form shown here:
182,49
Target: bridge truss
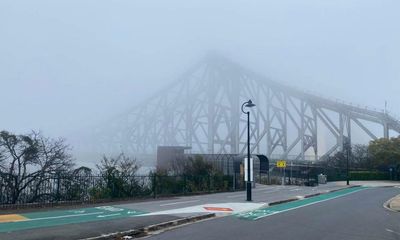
202,111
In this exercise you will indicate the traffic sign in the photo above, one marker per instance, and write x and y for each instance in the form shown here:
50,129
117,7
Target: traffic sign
281,164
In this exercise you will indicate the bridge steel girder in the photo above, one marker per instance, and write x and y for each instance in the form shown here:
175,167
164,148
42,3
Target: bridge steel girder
202,110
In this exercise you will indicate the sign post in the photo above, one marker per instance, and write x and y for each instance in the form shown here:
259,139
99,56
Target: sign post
291,171
282,165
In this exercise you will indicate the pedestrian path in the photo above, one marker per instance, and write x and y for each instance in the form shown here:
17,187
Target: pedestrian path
394,203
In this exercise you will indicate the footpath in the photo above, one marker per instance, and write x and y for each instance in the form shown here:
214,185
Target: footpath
394,203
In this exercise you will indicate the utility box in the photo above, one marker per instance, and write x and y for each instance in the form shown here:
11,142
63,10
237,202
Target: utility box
321,179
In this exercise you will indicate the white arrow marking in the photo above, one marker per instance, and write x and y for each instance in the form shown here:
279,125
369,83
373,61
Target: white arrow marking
110,208
77,211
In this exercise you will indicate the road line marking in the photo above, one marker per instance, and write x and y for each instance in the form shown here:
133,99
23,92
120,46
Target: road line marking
308,204
176,203
296,189
272,210
64,216
76,211
391,231
109,215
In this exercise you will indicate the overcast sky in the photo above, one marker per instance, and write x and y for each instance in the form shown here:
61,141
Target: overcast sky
66,65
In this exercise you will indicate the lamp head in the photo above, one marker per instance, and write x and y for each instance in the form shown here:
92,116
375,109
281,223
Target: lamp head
250,104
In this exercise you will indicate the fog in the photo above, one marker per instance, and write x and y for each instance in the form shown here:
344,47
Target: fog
66,66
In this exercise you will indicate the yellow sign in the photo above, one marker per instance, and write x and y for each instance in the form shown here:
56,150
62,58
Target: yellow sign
281,164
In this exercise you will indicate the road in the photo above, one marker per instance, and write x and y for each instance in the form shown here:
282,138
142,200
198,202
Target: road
261,194
356,216
97,220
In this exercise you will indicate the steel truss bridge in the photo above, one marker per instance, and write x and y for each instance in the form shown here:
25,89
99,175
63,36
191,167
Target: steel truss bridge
201,110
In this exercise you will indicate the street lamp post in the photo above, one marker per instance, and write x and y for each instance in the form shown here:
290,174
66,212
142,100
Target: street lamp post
348,152
248,104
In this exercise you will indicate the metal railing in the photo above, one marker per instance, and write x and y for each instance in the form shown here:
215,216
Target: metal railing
49,190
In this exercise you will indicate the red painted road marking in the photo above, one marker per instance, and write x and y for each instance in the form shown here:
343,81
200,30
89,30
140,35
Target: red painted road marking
218,209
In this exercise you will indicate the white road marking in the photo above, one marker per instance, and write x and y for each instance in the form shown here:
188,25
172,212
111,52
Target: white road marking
77,211
65,216
110,208
390,230
296,189
176,203
131,212
109,215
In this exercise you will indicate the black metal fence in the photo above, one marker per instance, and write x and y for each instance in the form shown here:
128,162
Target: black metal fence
292,175
307,174
48,190
66,189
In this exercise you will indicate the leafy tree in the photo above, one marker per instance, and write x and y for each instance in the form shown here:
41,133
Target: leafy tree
385,153
359,158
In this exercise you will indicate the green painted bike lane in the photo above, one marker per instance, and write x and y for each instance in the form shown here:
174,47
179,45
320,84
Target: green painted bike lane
57,218
268,211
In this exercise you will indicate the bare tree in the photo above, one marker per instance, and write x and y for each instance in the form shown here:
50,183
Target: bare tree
30,160
121,165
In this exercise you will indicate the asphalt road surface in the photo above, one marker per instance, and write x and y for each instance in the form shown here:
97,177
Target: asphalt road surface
92,221
75,223
261,194
359,215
